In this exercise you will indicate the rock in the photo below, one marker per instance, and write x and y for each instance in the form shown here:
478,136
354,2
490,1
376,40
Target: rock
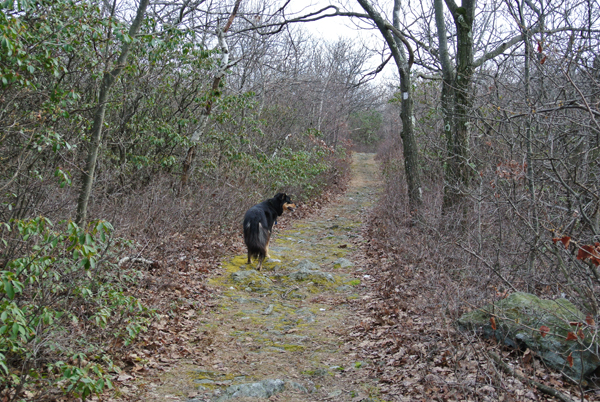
204,381
305,315
307,270
263,389
250,279
314,276
269,309
297,386
307,265
518,320
342,263
344,288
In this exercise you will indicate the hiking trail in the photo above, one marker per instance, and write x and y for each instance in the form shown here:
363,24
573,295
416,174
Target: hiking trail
279,334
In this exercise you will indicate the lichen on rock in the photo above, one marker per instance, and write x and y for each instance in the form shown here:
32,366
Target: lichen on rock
520,322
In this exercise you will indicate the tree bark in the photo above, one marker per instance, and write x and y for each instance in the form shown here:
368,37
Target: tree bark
526,33
447,98
457,98
457,92
87,176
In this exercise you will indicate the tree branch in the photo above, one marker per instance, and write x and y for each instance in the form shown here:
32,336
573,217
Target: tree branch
310,17
374,72
572,105
519,38
400,35
232,16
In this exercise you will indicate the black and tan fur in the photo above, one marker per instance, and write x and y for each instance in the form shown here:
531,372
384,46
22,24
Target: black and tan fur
258,224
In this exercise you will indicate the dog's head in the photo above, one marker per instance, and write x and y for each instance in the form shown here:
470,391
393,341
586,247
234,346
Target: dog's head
285,202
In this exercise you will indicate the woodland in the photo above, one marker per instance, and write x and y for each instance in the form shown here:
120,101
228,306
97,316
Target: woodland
129,128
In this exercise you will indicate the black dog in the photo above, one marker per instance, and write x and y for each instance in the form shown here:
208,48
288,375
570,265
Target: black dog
258,223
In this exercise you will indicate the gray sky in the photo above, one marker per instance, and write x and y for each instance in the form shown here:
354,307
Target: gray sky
334,28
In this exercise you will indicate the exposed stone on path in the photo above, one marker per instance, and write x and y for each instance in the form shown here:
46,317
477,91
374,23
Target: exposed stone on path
263,389
269,309
307,270
344,288
251,278
342,263
307,265
305,315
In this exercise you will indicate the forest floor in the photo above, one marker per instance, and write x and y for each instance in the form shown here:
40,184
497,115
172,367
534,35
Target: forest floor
314,325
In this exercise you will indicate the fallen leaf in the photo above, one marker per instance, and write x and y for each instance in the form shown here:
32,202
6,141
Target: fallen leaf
565,240
591,252
124,377
493,322
527,356
571,336
570,359
544,330
589,320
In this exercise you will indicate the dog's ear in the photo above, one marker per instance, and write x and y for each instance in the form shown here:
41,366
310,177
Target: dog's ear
281,196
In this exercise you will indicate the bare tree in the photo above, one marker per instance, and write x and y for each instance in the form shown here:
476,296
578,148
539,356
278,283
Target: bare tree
96,133
213,96
397,43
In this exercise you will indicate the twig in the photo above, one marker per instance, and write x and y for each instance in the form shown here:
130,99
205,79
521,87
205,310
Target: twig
544,388
506,281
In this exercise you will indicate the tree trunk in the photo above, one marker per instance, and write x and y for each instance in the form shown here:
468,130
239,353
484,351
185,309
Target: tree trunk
87,176
457,97
531,261
447,98
395,41
461,152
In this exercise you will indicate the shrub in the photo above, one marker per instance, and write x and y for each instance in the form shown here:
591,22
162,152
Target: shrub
63,306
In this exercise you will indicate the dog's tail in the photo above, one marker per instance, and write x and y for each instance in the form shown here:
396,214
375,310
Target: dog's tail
256,237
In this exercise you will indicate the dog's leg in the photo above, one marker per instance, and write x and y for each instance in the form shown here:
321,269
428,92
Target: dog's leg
267,245
249,258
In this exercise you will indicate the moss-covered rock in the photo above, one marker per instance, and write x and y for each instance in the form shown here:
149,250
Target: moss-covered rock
307,265
263,389
309,271
519,321
250,278
342,263
313,276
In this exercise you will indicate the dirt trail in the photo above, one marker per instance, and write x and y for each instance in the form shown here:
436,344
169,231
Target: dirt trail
279,334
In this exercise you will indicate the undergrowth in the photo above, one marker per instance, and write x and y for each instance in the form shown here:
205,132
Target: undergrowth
65,309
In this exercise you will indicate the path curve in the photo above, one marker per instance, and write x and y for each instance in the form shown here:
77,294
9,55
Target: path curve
278,334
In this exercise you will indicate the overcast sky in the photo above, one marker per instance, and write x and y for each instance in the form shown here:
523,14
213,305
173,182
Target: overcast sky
334,28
